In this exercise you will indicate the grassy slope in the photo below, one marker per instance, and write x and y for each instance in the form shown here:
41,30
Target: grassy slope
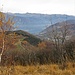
51,69
33,40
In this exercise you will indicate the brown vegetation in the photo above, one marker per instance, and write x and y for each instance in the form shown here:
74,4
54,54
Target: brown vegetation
51,69
35,56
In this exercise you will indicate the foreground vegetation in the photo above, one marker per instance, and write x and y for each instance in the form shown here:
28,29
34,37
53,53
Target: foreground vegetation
51,69
35,56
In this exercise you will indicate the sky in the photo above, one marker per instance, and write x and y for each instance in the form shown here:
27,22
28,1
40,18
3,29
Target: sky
39,6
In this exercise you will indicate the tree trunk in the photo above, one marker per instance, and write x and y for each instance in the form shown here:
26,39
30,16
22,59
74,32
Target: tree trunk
2,51
0,57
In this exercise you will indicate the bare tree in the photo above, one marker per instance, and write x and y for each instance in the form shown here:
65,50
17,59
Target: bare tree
5,25
59,34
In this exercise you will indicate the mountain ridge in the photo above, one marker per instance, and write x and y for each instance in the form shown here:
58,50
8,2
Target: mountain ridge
35,23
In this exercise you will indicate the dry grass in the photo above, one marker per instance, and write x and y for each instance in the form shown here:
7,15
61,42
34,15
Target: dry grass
51,69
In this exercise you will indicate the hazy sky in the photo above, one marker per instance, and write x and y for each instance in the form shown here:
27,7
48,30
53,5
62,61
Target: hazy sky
39,6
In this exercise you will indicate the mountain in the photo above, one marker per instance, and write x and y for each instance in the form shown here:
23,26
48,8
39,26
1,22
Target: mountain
35,23
25,36
69,26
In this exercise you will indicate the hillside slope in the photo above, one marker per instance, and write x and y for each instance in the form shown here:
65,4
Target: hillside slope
25,36
70,25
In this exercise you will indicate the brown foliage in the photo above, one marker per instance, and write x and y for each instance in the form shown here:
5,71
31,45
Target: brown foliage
42,45
5,25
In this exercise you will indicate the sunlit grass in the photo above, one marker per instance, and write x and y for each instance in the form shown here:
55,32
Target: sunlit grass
52,69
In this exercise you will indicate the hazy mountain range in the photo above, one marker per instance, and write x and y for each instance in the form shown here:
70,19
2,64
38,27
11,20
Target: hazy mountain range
35,23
